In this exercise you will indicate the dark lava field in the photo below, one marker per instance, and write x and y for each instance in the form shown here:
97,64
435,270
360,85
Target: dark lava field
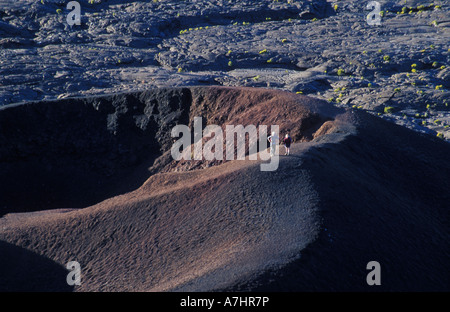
398,70
88,110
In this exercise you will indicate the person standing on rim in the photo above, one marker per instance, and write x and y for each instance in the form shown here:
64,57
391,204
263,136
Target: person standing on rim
287,143
273,139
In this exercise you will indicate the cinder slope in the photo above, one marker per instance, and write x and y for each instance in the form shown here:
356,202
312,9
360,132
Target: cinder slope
187,231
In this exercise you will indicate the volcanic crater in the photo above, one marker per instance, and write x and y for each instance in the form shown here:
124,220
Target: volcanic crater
92,180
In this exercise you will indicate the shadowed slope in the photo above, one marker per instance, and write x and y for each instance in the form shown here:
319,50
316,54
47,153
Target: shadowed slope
77,152
24,271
